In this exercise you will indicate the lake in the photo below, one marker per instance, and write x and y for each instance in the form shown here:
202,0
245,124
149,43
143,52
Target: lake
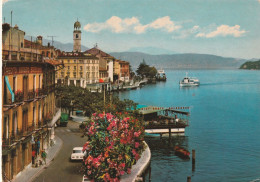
224,125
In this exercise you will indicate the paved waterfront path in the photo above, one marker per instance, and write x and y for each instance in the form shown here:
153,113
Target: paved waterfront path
30,172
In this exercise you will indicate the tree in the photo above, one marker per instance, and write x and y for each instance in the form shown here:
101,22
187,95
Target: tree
145,70
72,97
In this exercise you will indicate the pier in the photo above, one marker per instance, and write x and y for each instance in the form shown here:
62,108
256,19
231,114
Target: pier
164,120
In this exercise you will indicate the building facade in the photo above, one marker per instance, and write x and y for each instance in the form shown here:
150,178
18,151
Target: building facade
80,69
124,71
28,109
105,63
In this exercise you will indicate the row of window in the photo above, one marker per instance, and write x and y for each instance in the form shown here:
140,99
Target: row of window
81,68
81,74
82,61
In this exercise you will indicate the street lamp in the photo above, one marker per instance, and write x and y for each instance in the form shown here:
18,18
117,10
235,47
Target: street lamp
71,105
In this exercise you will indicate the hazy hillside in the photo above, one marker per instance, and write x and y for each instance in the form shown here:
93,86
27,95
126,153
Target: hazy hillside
180,61
151,50
64,47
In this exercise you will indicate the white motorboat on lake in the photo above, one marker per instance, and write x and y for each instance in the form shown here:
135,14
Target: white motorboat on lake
189,81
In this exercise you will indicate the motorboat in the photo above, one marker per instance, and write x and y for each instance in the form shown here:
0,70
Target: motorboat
189,81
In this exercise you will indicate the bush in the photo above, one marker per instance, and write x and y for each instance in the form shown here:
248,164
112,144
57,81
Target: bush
114,144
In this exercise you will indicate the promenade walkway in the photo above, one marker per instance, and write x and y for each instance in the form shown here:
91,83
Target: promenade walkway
29,173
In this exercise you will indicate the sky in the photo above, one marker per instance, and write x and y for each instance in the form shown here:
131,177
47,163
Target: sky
229,28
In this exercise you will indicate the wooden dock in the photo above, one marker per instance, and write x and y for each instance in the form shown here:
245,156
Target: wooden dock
164,120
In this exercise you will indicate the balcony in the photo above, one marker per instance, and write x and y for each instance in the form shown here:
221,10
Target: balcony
31,95
14,137
19,96
29,130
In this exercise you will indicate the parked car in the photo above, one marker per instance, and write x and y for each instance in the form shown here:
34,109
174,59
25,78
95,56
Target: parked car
64,119
77,154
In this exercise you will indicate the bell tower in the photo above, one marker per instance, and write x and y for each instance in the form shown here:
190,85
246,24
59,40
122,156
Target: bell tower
77,37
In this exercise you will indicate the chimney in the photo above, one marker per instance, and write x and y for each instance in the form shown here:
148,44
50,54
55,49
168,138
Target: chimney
16,27
39,40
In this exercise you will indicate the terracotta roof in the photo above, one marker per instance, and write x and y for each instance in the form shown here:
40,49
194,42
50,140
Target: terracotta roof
53,62
29,44
123,62
95,51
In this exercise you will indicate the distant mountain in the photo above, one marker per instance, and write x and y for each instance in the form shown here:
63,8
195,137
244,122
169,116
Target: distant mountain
151,50
251,65
68,47
180,61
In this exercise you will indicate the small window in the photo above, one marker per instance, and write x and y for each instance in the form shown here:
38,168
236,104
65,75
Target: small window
74,67
77,36
75,61
21,44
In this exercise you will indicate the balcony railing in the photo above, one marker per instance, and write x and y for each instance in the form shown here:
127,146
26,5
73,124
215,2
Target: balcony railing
31,94
21,96
14,137
28,130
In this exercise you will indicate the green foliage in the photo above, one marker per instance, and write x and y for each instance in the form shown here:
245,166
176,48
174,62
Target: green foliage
255,65
72,98
145,70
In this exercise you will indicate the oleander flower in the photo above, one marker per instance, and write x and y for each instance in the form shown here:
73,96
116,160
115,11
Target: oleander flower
114,145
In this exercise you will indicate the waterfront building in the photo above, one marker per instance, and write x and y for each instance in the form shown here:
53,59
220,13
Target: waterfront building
124,71
121,70
80,69
28,109
105,63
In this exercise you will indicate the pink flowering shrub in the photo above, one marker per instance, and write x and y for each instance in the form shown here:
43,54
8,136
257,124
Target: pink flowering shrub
114,144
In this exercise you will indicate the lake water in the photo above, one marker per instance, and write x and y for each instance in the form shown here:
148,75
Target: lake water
224,126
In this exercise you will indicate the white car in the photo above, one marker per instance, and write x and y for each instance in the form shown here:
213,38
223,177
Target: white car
85,179
77,154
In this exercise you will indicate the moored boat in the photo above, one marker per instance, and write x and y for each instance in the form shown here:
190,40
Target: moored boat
182,152
161,76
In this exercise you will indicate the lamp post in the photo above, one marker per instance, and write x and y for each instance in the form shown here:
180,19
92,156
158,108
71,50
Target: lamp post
71,107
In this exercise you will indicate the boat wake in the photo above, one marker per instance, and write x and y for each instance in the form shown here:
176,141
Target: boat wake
229,83
255,180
